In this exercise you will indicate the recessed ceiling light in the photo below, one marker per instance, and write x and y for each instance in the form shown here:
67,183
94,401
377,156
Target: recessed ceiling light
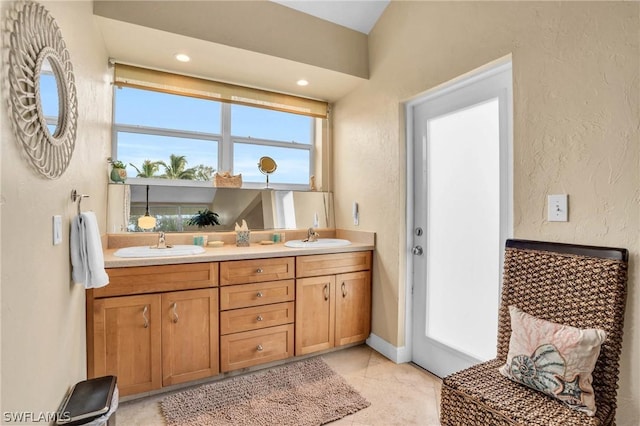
303,82
182,57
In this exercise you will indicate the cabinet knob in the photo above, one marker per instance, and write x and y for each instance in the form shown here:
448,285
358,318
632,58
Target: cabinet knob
259,318
259,270
259,294
259,348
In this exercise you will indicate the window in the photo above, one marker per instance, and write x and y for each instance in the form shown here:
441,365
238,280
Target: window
190,135
169,218
163,110
285,137
266,124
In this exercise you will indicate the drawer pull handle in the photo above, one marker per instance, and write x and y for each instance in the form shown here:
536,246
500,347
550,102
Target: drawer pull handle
144,316
259,348
326,292
259,270
259,318
344,290
174,306
259,294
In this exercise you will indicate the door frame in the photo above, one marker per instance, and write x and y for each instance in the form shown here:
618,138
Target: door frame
494,67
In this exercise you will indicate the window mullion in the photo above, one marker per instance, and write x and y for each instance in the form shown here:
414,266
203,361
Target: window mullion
127,128
114,131
226,147
312,151
267,142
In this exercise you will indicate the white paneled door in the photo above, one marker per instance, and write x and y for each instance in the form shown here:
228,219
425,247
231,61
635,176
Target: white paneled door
461,199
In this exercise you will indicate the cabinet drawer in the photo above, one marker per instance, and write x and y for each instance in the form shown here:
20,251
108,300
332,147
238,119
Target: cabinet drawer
258,270
241,350
154,279
328,264
256,318
246,295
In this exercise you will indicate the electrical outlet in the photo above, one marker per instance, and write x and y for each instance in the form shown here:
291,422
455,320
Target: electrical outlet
57,230
558,208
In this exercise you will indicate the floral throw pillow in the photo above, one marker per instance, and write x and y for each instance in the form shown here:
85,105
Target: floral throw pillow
553,358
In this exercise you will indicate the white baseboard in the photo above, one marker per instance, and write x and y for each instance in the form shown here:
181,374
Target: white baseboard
394,353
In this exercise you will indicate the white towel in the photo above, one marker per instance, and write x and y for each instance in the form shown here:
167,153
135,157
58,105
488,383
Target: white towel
87,259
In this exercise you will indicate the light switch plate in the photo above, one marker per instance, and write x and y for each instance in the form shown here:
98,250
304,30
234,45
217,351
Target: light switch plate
57,230
558,208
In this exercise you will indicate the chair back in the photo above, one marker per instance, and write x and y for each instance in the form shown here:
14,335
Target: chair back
580,286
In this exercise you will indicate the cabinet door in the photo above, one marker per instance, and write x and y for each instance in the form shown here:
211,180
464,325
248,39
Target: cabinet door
127,342
189,335
315,314
353,307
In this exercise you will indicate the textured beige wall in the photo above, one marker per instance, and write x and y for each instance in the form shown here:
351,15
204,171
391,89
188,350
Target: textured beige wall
43,314
576,109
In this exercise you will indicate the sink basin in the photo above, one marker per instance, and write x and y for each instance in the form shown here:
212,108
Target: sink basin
147,251
321,243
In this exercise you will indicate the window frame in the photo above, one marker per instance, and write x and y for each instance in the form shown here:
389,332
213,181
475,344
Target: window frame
226,142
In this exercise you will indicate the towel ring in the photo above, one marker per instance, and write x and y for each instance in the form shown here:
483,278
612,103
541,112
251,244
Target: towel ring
78,197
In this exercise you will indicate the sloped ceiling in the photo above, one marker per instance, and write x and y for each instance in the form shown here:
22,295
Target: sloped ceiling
360,15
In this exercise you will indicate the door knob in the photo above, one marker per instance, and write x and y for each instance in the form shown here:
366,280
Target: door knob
417,250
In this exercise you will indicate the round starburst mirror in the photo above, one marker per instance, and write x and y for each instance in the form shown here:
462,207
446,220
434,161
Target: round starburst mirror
42,92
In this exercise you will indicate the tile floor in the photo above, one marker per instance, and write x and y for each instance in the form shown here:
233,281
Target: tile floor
400,394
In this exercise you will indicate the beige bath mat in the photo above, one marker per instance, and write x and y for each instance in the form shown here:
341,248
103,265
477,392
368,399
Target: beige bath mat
305,392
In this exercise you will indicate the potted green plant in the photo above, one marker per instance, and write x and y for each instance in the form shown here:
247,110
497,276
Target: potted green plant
118,171
204,218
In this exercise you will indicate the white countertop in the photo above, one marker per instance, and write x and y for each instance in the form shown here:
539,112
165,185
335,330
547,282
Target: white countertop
229,252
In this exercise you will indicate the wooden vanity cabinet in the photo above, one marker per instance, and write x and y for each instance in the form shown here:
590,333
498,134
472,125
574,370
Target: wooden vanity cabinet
333,300
256,312
156,326
315,314
158,337
126,342
189,335
353,307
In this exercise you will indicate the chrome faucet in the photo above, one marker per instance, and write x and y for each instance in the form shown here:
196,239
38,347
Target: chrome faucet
312,235
161,241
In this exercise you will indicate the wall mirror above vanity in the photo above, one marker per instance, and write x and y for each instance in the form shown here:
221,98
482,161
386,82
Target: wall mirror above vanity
174,203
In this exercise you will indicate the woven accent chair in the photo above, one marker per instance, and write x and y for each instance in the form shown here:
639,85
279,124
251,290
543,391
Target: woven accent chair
580,286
